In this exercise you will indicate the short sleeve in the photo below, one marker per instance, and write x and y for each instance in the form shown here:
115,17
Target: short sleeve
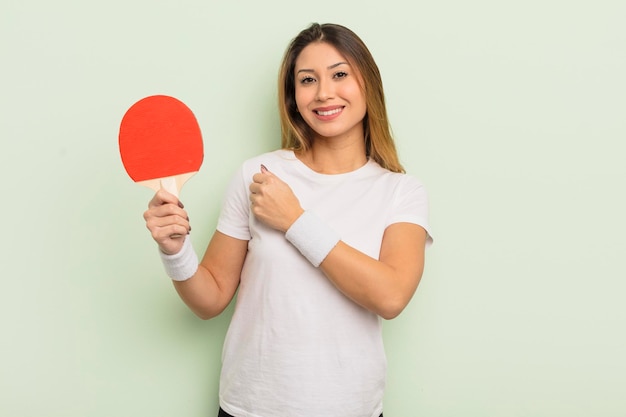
410,205
234,216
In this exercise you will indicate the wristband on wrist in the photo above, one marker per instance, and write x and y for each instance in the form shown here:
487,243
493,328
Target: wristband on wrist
312,237
182,265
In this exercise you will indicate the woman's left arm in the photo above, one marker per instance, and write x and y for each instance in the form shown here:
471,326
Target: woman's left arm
384,286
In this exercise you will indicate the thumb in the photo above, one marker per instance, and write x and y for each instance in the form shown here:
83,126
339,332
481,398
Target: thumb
266,171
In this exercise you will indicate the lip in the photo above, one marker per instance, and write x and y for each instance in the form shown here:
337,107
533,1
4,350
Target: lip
328,112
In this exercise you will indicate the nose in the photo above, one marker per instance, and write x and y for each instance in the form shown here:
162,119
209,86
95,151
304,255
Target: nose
324,90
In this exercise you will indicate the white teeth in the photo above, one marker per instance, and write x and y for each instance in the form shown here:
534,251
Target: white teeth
329,113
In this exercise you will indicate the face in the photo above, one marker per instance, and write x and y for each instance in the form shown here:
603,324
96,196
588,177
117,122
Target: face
328,94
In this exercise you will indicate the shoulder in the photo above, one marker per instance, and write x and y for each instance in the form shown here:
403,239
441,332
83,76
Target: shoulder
408,181
402,189
397,180
410,187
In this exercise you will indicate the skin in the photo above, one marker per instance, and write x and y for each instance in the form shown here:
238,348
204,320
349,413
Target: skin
325,82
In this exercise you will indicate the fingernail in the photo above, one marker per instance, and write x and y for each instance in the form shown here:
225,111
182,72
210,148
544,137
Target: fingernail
264,168
180,204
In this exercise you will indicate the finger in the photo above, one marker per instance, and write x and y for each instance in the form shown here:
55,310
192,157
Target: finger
161,221
259,178
164,226
164,211
174,231
164,197
175,236
254,199
255,188
165,215
266,174
169,210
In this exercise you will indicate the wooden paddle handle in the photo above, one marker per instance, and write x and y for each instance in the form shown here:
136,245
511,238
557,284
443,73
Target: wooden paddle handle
170,185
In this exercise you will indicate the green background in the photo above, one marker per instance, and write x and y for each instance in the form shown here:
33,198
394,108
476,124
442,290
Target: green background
512,113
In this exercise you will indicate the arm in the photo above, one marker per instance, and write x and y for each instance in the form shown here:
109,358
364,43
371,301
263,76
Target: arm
211,288
385,285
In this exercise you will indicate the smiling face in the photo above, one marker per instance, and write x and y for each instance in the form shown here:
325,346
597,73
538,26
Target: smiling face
328,93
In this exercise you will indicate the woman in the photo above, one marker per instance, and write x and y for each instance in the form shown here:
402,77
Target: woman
323,238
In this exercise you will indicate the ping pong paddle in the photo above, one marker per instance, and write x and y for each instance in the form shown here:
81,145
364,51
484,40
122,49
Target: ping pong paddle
160,143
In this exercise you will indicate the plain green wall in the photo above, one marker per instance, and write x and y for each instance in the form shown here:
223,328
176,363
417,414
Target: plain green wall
512,113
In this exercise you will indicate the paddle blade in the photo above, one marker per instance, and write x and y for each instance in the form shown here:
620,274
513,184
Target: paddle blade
159,138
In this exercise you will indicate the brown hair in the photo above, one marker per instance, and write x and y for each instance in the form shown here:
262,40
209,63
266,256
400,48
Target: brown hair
296,134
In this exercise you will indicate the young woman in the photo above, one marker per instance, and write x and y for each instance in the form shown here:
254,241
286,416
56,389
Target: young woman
323,238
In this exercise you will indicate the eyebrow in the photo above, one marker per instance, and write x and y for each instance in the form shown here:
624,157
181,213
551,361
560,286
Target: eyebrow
329,67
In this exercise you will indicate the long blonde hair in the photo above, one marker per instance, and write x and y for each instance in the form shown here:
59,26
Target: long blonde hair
297,135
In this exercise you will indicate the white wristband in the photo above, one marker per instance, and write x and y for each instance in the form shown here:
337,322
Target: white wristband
182,265
312,237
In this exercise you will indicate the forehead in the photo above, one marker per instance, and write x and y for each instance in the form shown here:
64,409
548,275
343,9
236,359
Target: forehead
318,55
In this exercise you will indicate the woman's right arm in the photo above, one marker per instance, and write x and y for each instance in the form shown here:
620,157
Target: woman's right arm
209,291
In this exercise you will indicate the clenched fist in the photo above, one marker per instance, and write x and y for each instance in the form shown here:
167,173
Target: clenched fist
167,221
272,201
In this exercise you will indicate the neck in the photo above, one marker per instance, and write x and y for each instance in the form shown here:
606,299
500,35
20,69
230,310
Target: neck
330,157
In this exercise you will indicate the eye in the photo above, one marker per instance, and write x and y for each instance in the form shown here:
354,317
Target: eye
340,74
307,80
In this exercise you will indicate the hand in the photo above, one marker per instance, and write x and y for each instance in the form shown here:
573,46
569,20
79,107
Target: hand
167,221
273,202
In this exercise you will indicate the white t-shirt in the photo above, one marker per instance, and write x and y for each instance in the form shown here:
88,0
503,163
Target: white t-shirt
296,346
